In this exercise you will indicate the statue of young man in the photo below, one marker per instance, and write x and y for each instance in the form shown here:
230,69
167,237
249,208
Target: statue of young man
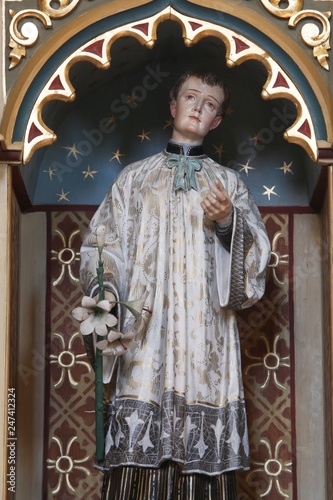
184,232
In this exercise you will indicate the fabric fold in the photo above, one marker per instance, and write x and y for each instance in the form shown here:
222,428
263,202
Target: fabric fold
160,245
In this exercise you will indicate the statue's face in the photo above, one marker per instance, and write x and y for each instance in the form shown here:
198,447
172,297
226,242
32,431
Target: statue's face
195,111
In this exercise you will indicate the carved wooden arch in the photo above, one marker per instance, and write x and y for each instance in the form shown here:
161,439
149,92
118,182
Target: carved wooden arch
238,50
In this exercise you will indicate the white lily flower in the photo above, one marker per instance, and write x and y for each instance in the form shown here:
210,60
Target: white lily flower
114,335
135,306
100,236
94,317
117,343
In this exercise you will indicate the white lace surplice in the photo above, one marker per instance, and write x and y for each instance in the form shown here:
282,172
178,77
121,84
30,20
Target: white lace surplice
179,395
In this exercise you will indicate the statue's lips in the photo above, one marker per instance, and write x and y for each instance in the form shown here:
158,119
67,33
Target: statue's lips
195,118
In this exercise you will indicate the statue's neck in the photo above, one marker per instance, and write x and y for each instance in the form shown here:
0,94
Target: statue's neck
184,148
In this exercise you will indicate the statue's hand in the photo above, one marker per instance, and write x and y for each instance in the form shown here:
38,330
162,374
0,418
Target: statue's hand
217,205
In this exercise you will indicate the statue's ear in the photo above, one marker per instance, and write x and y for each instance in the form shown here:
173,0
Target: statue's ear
216,122
173,105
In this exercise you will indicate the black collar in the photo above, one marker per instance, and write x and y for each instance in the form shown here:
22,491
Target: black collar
179,150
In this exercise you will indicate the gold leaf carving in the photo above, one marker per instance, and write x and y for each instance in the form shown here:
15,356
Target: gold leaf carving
311,34
17,52
273,6
58,8
27,35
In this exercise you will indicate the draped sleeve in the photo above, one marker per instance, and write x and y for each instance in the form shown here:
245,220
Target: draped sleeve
241,272
111,214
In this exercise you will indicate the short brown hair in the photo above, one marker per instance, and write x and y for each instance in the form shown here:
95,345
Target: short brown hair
207,77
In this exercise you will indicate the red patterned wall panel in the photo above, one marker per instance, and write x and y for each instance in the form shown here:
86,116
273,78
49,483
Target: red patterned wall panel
268,377
70,472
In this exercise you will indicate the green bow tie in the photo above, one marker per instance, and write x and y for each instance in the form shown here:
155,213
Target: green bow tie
186,168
